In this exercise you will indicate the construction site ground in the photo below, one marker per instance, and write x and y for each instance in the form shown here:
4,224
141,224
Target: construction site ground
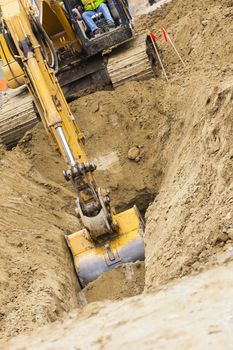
166,147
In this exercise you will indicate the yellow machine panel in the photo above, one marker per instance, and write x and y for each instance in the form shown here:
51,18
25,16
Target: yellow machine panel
91,259
11,69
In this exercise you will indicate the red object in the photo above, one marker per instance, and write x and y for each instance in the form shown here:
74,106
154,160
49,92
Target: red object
165,35
3,85
153,36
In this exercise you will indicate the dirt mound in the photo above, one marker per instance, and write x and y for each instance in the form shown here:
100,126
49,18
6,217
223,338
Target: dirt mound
191,314
37,281
191,218
122,282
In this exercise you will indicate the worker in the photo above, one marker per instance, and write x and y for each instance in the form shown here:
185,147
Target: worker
92,7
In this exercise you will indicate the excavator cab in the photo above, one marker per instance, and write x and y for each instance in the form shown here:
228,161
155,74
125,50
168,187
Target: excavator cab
98,19
93,45
82,58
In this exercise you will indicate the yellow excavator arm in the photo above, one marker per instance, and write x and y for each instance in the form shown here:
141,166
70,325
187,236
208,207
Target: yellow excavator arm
107,239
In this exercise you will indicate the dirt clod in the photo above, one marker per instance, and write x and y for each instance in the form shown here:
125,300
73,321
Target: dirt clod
133,153
125,281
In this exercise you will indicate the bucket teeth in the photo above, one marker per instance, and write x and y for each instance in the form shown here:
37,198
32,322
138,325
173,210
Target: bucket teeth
93,258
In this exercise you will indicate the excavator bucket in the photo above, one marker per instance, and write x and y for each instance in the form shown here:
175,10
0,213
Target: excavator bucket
93,258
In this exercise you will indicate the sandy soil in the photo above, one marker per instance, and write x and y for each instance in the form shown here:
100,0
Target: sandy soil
124,281
192,314
139,8
37,281
191,218
167,145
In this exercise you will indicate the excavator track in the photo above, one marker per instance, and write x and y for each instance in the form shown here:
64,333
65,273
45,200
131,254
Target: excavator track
17,116
130,62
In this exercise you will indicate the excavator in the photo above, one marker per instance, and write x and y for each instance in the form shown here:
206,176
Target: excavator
82,63
36,54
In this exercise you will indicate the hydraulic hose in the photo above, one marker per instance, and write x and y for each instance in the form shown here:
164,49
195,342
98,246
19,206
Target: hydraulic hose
45,41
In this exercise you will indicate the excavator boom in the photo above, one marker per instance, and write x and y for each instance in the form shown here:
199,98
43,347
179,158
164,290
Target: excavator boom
107,239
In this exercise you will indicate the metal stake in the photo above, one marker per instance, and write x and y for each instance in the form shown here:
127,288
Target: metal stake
175,49
160,61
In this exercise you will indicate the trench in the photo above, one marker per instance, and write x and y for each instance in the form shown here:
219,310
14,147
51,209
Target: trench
124,281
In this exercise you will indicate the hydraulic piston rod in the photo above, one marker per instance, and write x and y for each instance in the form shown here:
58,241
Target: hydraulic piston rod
66,147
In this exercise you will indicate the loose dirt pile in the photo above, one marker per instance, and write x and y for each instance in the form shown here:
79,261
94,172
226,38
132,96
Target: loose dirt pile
37,282
169,144
122,282
196,313
191,218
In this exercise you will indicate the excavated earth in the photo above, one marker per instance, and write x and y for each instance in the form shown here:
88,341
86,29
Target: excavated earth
166,147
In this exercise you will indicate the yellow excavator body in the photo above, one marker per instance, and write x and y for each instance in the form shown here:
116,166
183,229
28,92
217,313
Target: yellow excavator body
57,26
11,69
